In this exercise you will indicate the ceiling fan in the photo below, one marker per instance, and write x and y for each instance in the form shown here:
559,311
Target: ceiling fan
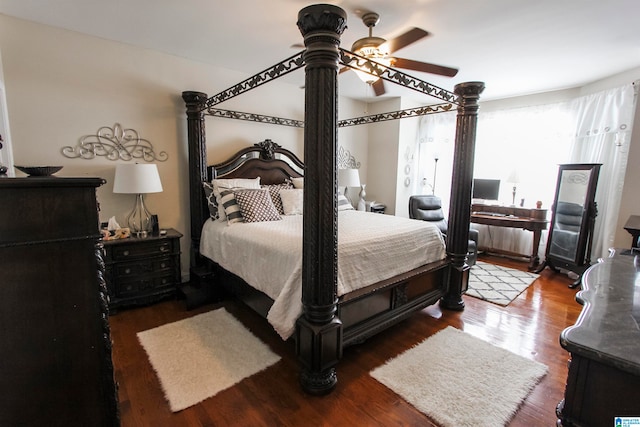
380,50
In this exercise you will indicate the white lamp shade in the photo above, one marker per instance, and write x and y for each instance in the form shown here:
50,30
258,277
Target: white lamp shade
348,178
137,178
514,177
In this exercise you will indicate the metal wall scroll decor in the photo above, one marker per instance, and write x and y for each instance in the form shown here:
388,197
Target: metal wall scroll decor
114,143
346,160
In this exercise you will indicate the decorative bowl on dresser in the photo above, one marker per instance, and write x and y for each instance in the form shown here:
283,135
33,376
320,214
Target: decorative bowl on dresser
39,170
142,270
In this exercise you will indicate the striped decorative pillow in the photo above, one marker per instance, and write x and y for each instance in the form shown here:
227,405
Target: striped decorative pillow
227,184
231,207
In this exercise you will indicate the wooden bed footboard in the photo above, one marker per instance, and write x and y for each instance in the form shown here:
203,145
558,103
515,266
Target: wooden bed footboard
387,303
363,313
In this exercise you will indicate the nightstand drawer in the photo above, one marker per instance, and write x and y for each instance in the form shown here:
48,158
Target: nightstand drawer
143,267
125,252
145,286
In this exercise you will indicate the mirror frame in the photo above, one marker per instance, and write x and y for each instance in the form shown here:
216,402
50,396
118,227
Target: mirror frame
582,258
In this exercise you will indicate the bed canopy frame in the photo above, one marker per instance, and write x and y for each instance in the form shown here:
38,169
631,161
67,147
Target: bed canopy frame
319,330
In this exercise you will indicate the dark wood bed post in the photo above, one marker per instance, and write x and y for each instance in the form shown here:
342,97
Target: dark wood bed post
195,102
460,205
318,330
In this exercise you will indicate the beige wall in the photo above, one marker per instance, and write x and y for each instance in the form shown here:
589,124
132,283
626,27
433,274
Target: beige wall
383,156
63,85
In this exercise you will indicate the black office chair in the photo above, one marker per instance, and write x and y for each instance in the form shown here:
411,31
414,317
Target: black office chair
566,230
429,208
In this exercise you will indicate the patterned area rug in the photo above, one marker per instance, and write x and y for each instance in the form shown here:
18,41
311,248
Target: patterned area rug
497,284
459,380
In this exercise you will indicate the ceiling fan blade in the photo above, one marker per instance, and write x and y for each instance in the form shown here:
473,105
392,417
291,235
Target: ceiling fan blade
378,87
343,69
411,36
425,67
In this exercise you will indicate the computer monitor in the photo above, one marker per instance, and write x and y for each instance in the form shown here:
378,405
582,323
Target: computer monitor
486,189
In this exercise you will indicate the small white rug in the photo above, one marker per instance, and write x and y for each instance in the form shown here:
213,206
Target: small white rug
198,357
497,284
458,380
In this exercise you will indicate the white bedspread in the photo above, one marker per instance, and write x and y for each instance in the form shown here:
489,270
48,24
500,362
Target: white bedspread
268,255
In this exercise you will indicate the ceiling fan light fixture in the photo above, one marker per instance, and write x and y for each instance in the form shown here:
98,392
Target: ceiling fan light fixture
377,53
371,78
375,49
370,44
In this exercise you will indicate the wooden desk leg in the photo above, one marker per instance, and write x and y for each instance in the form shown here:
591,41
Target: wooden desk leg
534,253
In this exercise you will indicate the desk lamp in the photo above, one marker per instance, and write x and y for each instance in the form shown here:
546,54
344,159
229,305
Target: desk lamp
138,179
514,179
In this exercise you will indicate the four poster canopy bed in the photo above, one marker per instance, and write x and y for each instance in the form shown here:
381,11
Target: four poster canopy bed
303,266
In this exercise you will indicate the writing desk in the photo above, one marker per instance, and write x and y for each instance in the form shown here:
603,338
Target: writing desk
534,220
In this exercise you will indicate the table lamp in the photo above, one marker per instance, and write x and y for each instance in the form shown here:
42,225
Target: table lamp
348,178
138,179
514,178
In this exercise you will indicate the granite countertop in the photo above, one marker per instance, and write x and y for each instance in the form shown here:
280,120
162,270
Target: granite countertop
608,328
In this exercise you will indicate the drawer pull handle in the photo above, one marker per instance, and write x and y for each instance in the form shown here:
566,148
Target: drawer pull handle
164,249
163,265
127,271
125,253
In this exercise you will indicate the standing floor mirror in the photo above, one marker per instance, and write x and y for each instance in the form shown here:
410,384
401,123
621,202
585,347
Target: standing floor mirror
573,217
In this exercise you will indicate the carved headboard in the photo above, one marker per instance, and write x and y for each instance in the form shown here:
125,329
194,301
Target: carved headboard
266,159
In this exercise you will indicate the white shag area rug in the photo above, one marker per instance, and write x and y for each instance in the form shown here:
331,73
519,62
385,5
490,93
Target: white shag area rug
497,284
198,357
458,380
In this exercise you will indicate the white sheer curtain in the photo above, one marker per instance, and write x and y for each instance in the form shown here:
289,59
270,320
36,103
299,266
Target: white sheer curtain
533,141
603,131
436,137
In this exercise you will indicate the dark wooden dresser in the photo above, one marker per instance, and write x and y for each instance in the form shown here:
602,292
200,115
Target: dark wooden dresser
604,371
142,270
55,358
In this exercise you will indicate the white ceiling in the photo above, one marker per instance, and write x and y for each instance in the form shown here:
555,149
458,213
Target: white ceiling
517,47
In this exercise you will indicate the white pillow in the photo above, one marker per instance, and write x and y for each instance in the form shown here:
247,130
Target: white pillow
298,182
344,204
227,184
292,201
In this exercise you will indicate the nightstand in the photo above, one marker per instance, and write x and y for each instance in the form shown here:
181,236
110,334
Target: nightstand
378,208
142,270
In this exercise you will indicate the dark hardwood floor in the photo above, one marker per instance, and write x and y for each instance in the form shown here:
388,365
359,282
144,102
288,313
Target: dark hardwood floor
529,326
